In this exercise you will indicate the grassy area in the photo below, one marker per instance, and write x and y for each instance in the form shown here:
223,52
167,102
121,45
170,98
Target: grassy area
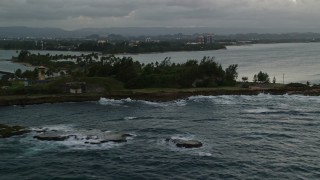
108,82
58,86
54,91
226,88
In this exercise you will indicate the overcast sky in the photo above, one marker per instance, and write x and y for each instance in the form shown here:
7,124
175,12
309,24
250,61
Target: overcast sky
75,14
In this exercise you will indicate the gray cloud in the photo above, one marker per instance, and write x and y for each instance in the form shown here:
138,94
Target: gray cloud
72,14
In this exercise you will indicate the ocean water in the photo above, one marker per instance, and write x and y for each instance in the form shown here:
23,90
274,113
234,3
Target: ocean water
244,137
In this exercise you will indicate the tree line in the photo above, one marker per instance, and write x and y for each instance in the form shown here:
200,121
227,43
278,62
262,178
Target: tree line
164,74
145,47
115,47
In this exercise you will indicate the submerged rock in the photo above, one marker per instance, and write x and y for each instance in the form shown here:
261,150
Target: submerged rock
9,131
40,130
108,137
115,137
185,143
52,136
89,137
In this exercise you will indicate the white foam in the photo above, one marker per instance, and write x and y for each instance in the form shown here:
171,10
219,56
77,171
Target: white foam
113,102
199,98
78,138
110,102
77,144
180,103
265,96
127,100
156,104
129,118
183,137
247,98
303,98
59,127
259,110
80,144
204,154
225,99
204,151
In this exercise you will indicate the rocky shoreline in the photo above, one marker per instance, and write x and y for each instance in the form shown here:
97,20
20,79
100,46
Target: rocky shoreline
91,137
9,131
36,99
153,96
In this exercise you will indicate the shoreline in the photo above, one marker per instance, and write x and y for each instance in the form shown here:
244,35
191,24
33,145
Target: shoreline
158,96
24,64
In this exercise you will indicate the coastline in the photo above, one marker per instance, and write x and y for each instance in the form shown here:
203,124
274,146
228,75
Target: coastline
24,64
157,96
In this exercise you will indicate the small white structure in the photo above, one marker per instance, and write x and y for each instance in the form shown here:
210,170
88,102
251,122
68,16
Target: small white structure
75,90
76,87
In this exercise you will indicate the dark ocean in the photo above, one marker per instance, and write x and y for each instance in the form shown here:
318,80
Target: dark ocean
244,137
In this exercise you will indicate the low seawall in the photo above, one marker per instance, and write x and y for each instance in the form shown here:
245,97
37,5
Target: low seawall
29,100
155,96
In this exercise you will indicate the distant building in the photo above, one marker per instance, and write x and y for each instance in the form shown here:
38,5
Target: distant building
134,43
200,39
208,39
102,41
149,40
205,39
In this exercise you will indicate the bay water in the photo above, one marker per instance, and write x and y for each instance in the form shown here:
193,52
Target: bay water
287,62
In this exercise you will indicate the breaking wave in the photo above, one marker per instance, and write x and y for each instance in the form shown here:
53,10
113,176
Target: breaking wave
281,100
77,138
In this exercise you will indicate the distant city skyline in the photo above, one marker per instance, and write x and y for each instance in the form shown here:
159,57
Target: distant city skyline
284,15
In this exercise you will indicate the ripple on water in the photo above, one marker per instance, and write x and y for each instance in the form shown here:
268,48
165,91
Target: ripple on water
258,137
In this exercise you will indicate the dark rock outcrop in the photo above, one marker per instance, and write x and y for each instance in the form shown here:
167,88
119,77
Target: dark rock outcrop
9,131
107,137
90,137
115,137
52,136
185,143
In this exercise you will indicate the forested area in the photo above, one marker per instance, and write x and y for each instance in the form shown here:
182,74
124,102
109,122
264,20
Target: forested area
117,47
165,74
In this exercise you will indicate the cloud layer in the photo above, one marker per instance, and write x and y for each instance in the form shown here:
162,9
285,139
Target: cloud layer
73,14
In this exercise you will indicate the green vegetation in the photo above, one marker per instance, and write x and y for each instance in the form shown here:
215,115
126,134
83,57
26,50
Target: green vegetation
206,73
51,62
146,47
116,47
113,75
133,74
261,77
123,77
17,44
58,86
297,85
